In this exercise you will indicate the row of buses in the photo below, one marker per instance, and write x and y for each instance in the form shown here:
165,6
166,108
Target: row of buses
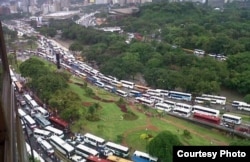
186,110
96,149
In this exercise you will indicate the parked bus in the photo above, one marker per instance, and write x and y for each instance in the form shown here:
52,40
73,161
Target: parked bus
134,93
59,123
41,133
29,121
99,84
202,100
163,92
121,93
245,107
93,140
96,159
113,158
110,88
144,101
153,92
156,99
94,72
207,118
21,113
42,111
62,146
55,131
46,146
85,151
33,104
41,121
180,95
116,83
231,119
106,79
183,105
170,103
182,112
127,84
27,98
141,88
216,99
204,110
116,149
163,106
237,104
139,156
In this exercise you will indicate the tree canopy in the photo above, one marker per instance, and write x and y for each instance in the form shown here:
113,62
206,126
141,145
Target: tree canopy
161,146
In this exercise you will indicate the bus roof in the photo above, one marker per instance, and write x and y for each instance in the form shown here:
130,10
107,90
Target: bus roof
117,146
99,139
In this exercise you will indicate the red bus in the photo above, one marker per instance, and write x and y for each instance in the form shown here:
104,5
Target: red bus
96,159
59,123
207,118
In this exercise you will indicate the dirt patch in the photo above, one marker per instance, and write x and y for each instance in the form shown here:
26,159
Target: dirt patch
87,104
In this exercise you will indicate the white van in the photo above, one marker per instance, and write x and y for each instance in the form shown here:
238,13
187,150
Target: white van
42,111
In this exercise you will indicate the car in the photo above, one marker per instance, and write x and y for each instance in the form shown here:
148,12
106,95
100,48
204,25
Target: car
70,141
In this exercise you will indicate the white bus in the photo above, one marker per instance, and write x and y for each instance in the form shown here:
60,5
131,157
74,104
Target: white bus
121,93
204,110
21,113
170,103
116,149
163,92
62,146
202,100
29,121
41,133
55,131
27,97
93,140
163,106
184,106
109,88
245,107
153,92
45,146
116,83
99,84
216,99
231,119
94,72
33,104
85,151
182,112
142,156
156,99
106,79
42,111
236,104
127,84
144,101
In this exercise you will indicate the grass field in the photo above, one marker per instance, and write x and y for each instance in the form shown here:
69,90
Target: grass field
112,127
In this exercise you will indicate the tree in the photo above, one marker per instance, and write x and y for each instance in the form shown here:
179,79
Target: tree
161,146
247,98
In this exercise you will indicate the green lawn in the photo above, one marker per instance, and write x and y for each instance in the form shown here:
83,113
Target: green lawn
112,125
